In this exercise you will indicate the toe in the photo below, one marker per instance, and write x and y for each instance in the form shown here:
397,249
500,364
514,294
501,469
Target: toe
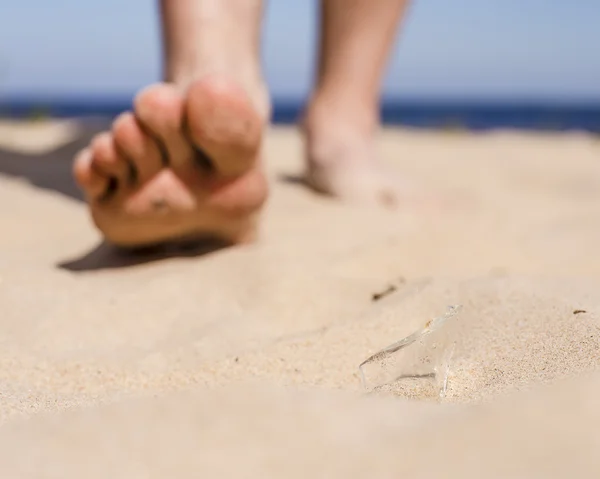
223,123
138,147
159,108
106,159
90,180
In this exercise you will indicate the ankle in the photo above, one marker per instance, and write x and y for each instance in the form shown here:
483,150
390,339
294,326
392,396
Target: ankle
333,146
341,117
335,131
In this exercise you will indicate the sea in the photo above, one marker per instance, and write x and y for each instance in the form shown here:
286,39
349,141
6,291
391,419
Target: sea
451,115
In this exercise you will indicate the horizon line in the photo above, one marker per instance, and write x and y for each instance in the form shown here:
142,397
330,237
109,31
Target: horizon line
488,100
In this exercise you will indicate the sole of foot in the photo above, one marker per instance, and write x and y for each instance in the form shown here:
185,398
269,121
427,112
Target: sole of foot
180,166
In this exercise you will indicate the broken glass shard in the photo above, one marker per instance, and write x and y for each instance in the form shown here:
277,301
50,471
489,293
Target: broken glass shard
418,365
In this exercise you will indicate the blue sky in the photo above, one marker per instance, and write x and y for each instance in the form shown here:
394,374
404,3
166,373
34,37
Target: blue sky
544,49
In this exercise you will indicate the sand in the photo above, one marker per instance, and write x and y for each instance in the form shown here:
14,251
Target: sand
244,362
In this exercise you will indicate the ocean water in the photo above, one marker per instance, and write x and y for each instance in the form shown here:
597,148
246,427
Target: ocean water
448,115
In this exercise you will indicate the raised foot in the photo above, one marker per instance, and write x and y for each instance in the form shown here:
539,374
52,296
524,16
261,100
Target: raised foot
180,166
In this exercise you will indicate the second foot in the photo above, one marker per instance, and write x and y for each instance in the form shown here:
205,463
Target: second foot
178,167
346,166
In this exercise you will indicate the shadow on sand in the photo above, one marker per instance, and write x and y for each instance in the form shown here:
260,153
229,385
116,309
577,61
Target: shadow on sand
52,171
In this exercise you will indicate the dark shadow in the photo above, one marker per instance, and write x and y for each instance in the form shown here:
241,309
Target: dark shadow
106,256
52,171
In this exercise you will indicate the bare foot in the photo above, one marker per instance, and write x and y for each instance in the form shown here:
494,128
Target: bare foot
342,162
179,167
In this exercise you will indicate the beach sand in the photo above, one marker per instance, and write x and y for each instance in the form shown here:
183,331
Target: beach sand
244,362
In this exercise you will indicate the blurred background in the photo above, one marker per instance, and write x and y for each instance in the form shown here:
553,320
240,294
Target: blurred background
467,64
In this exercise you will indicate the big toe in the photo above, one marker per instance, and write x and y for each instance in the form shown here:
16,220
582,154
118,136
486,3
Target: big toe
223,123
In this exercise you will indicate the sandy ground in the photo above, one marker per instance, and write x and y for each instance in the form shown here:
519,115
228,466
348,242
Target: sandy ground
244,362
